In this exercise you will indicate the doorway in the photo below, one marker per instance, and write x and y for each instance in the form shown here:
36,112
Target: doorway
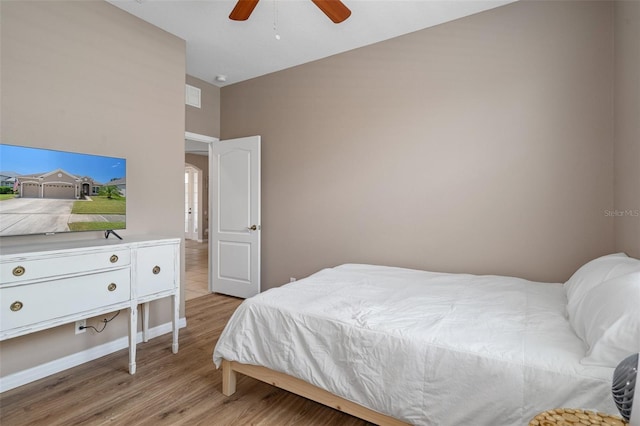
233,245
196,247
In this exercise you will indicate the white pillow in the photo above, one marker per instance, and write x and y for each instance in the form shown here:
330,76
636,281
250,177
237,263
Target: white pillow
590,275
610,314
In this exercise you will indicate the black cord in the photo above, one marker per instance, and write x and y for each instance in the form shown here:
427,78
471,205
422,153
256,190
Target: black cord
111,232
105,321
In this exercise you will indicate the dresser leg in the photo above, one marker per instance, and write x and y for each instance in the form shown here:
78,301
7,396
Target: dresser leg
133,331
145,322
174,320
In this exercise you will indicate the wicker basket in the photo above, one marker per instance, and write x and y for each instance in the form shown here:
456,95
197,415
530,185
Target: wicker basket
572,417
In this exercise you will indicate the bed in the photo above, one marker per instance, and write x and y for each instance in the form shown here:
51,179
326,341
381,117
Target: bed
394,345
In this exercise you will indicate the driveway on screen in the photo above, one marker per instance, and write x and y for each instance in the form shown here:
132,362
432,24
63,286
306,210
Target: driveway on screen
19,216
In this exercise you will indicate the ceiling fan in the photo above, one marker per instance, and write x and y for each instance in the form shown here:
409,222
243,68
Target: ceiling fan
334,9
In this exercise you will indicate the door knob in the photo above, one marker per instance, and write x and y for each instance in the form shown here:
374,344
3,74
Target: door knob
252,228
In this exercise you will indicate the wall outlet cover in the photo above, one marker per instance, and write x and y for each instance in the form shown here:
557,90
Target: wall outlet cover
81,323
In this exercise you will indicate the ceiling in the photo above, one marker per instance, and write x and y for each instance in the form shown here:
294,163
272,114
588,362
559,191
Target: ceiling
241,50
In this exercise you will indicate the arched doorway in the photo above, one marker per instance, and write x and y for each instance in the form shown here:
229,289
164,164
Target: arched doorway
192,202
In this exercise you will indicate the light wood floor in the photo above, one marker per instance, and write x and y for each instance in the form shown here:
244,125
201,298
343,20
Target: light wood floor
196,256
167,389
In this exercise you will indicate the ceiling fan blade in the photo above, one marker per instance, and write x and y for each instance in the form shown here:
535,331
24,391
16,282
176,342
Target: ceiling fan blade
243,10
334,9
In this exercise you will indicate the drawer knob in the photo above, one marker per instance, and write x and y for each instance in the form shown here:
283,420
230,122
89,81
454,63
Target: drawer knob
18,271
113,258
112,287
156,270
16,306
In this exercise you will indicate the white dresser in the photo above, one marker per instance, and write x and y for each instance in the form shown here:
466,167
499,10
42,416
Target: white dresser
48,284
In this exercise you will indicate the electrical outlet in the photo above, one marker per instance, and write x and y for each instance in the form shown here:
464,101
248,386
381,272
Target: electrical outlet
291,279
81,323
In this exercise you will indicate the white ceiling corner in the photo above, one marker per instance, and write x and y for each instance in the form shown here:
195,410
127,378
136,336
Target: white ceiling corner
247,49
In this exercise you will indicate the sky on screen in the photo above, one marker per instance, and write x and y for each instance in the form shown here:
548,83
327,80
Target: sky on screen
24,160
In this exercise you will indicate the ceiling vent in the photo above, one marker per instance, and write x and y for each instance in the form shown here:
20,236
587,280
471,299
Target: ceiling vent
192,96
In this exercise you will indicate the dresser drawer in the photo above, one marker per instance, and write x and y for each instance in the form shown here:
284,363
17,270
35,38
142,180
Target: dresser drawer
32,303
155,270
62,264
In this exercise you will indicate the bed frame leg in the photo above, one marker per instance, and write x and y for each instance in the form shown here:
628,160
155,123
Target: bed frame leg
228,378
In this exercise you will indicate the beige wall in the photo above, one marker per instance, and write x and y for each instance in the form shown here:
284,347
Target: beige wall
627,128
85,76
483,145
203,121
206,119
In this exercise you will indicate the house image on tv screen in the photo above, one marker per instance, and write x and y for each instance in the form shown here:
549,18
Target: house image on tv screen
60,184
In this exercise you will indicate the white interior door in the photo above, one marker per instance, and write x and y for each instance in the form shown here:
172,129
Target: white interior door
235,229
191,202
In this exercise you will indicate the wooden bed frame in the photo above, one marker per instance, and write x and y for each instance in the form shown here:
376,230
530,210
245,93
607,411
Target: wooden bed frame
302,388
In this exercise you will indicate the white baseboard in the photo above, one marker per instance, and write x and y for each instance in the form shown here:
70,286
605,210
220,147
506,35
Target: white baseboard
43,370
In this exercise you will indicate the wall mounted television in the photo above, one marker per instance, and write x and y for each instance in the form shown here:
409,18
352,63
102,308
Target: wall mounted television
43,191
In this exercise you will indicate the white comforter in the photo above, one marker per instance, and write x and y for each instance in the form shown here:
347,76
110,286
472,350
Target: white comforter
426,348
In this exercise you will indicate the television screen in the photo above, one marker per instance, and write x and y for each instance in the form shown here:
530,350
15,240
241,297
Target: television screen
43,191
